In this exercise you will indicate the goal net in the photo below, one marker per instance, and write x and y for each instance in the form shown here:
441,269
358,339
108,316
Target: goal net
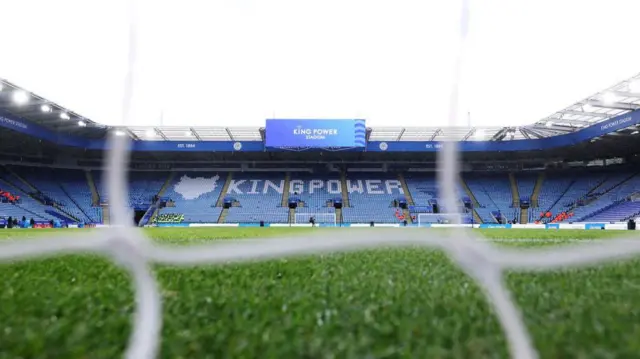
320,218
425,219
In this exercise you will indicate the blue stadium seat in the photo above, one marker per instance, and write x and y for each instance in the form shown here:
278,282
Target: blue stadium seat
260,198
194,194
370,198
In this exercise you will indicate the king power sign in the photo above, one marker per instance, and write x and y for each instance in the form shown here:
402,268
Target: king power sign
369,186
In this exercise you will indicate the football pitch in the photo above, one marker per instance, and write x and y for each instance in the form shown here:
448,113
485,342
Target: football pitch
407,302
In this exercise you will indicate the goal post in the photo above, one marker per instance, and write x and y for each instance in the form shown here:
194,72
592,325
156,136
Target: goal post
425,219
320,218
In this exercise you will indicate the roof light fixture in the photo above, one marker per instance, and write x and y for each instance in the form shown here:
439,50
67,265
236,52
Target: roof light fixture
64,116
82,123
45,108
20,97
119,133
150,133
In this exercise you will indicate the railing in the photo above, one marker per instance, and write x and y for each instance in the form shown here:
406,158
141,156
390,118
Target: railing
147,215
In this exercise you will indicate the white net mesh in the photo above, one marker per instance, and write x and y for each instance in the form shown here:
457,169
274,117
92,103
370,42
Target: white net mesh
482,261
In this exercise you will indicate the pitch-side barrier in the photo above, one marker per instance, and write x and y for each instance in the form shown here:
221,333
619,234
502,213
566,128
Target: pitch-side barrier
586,226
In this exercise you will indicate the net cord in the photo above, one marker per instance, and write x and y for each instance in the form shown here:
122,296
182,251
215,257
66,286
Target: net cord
128,246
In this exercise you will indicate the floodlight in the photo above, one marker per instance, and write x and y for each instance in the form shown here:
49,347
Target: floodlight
119,133
549,124
634,86
188,133
1,86
45,108
634,132
150,133
82,123
64,116
587,108
20,97
609,98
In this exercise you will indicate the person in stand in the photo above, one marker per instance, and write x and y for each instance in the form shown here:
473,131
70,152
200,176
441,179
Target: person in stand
312,220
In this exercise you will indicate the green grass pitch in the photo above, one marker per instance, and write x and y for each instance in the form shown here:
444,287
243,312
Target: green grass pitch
384,303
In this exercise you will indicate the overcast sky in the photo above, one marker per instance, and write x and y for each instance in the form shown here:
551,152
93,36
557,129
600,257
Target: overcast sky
238,62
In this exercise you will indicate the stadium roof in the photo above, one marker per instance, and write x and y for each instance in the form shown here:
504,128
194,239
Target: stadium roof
43,112
618,99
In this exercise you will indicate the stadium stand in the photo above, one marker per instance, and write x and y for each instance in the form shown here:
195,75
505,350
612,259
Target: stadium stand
194,195
75,185
610,194
258,197
143,186
585,195
424,191
314,190
55,186
526,182
371,197
618,212
557,189
493,192
28,207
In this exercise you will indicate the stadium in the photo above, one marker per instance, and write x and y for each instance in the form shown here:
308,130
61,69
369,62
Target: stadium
576,168
316,237
573,171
